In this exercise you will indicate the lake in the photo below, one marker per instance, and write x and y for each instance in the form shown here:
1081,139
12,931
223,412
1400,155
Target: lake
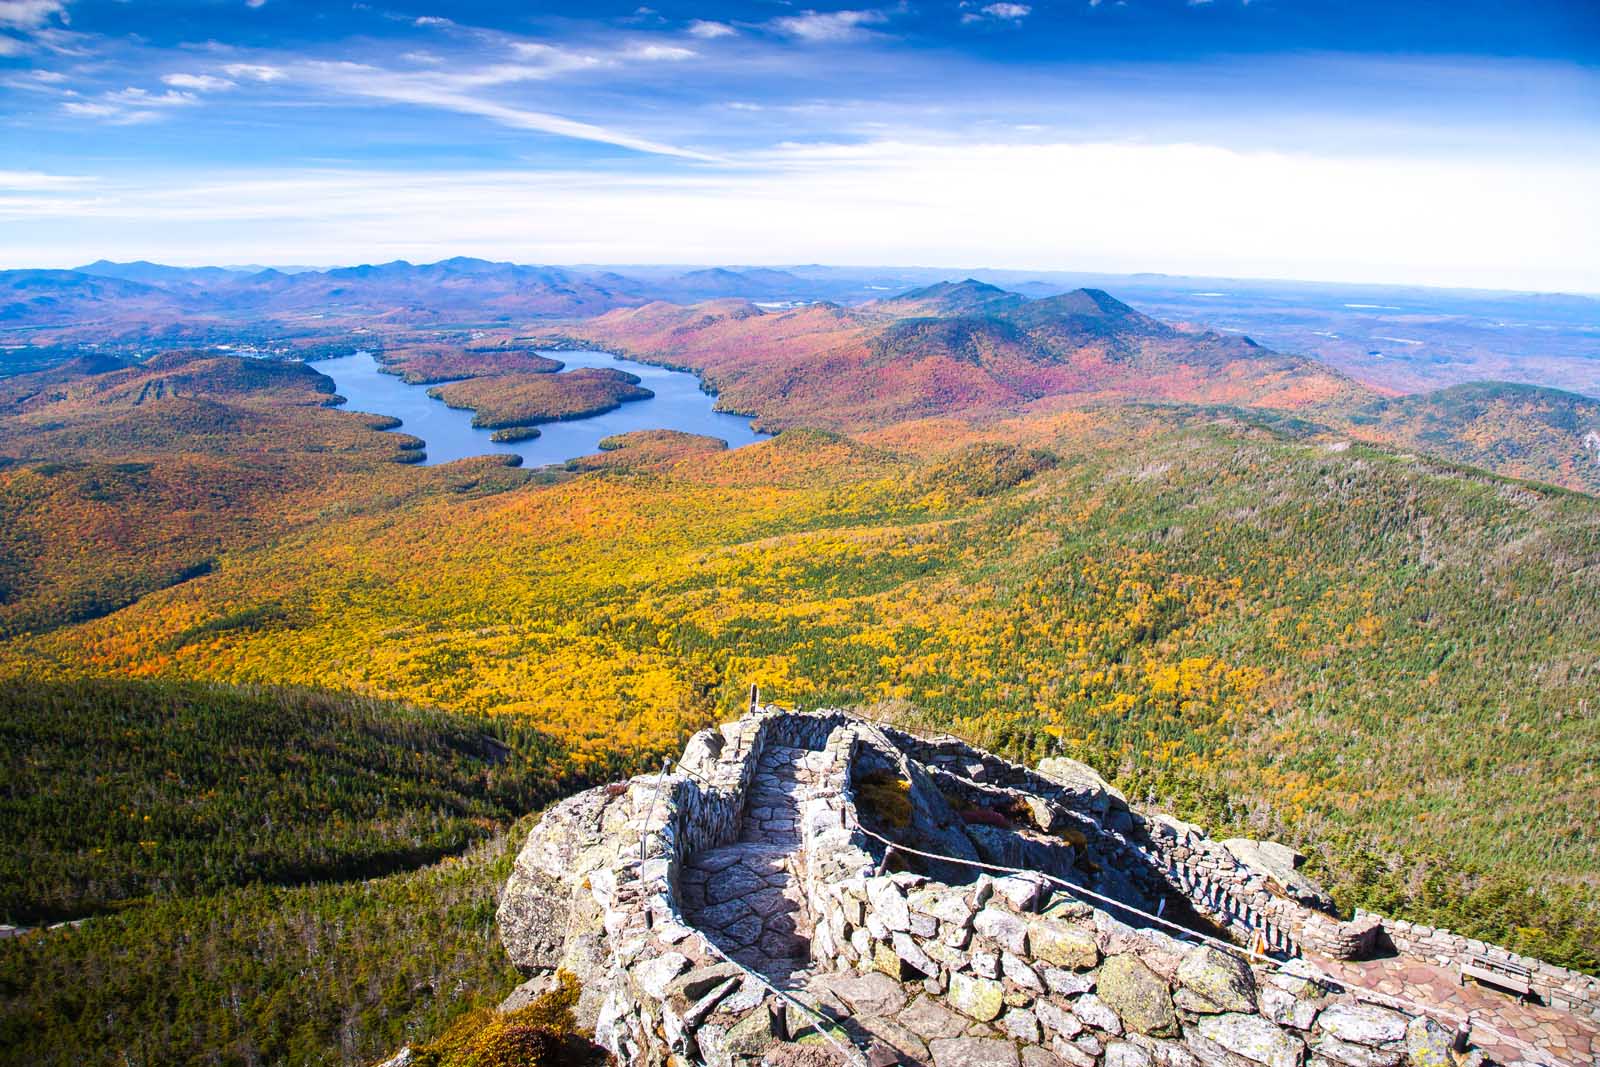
678,404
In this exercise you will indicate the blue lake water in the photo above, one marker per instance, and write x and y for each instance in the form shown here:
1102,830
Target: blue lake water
678,404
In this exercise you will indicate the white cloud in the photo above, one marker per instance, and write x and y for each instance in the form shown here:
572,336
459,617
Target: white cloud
1008,11
830,25
1181,208
550,60
254,71
10,46
708,30
204,83
432,20
454,92
135,97
254,3
670,53
31,14
35,181
113,113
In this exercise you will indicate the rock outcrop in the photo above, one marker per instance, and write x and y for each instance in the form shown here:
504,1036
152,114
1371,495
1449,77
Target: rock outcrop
760,904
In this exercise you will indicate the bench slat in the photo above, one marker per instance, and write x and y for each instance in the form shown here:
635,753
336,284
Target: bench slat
1503,979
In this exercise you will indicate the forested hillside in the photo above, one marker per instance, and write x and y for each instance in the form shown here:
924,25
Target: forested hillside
1250,590
262,875
1230,623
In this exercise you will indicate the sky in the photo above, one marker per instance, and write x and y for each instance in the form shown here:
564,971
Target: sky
1434,142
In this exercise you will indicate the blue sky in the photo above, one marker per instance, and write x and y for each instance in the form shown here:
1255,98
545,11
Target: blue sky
1440,143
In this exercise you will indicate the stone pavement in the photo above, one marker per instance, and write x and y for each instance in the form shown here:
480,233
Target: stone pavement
1562,1036
747,898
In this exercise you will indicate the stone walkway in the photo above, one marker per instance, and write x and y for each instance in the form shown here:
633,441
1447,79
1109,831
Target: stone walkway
746,898
1562,1036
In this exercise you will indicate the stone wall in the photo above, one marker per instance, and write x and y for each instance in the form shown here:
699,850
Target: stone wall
594,891
1286,912
1555,986
1057,974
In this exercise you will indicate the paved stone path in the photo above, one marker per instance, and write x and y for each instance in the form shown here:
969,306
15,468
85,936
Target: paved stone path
746,898
1562,1036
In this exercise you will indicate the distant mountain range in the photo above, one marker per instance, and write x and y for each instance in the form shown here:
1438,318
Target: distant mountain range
770,343
971,350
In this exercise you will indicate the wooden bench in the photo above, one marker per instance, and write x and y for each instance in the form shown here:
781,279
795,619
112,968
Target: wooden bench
1500,973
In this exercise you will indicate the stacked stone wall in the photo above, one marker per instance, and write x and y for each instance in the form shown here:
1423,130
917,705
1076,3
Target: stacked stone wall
1556,986
1049,971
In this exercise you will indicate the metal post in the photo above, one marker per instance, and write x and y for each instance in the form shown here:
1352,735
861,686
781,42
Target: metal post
778,1013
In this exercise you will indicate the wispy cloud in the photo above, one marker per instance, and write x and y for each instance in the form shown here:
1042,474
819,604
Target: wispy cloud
31,14
829,25
205,83
34,181
1204,210
136,97
129,107
657,52
107,111
455,91
1003,12
260,72
707,29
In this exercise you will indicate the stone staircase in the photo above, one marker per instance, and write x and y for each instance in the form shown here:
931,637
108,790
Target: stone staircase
747,897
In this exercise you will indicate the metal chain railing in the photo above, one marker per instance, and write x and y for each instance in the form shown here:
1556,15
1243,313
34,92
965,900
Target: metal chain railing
854,1055
1538,1056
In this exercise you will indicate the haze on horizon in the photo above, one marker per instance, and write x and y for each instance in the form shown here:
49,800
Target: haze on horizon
1451,144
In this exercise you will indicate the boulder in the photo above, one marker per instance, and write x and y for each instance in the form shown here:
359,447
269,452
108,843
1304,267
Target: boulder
1088,791
1286,1009
529,991
1428,1044
1252,1038
1279,863
1138,995
749,1037
1222,981
867,994
1057,1020
1364,1024
576,837
654,976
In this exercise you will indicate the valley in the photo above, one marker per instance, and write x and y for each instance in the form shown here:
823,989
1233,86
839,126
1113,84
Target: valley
1255,590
